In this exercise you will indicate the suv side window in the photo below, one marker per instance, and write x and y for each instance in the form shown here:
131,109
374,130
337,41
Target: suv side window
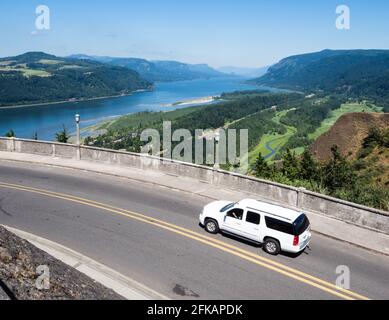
253,218
236,213
279,225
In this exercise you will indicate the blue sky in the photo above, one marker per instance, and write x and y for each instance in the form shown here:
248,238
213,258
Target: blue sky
219,32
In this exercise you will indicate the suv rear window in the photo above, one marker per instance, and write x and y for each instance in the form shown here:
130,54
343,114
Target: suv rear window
301,224
279,225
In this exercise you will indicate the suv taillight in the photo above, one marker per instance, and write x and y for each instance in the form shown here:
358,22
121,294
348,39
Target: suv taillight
296,240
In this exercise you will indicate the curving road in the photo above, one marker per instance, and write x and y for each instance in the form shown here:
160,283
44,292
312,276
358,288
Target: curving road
151,234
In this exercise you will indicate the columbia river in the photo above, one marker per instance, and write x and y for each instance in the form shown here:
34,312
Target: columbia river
46,120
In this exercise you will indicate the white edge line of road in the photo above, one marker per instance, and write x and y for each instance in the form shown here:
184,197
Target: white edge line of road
122,285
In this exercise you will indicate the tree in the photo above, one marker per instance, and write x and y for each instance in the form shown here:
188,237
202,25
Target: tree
374,138
338,173
290,165
261,168
385,138
309,169
88,140
369,195
10,134
62,136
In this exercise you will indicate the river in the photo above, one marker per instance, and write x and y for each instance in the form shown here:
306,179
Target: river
46,120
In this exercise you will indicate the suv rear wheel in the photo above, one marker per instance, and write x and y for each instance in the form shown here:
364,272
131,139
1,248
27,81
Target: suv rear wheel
211,226
272,246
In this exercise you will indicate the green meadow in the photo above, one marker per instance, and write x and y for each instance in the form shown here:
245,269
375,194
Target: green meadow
336,114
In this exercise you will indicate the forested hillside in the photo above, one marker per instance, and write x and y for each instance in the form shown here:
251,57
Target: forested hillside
362,74
38,77
159,70
281,127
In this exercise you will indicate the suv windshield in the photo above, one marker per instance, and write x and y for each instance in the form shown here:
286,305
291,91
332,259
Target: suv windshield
228,206
301,224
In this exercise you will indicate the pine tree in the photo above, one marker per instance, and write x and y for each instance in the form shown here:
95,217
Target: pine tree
262,169
62,136
338,173
10,134
290,165
309,169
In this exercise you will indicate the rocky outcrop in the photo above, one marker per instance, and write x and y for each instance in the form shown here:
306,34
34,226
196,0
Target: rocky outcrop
20,273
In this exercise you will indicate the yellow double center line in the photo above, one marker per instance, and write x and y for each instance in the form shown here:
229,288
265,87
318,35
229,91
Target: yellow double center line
236,251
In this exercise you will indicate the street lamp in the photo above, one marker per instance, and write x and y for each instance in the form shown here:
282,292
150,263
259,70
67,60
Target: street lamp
217,139
78,119
217,136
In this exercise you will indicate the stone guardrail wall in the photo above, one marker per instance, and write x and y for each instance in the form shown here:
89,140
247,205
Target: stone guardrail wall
290,196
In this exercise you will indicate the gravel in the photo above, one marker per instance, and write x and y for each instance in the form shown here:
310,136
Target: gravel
19,261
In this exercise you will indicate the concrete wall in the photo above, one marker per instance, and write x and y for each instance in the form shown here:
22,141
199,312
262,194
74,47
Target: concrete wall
301,198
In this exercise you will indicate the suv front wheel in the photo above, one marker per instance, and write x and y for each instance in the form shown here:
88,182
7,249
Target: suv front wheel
211,226
272,246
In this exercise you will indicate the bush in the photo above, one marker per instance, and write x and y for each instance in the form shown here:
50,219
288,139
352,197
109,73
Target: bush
10,134
62,136
372,196
338,177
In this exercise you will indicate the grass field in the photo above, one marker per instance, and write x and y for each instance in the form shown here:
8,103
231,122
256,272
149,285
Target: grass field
70,67
336,114
27,72
298,151
32,72
270,144
50,62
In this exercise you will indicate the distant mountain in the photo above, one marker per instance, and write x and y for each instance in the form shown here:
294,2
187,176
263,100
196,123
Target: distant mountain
37,77
244,72
357,73
159,70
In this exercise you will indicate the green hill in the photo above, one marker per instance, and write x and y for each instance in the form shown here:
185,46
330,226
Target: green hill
37,77
355,73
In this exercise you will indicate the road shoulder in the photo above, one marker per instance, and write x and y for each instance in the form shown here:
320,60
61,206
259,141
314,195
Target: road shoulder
120,284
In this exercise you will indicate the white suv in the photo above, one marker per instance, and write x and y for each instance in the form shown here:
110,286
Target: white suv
277,228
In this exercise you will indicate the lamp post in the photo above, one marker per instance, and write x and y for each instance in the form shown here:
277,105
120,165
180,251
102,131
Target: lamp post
78,119
217,139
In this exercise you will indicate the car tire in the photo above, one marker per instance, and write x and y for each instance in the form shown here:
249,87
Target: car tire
211,226
272,246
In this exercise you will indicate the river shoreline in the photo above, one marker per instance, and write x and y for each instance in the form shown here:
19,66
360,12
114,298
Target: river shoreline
197,101
97,128
73,101
46,119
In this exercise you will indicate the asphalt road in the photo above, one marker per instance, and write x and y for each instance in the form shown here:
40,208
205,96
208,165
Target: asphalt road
151,234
